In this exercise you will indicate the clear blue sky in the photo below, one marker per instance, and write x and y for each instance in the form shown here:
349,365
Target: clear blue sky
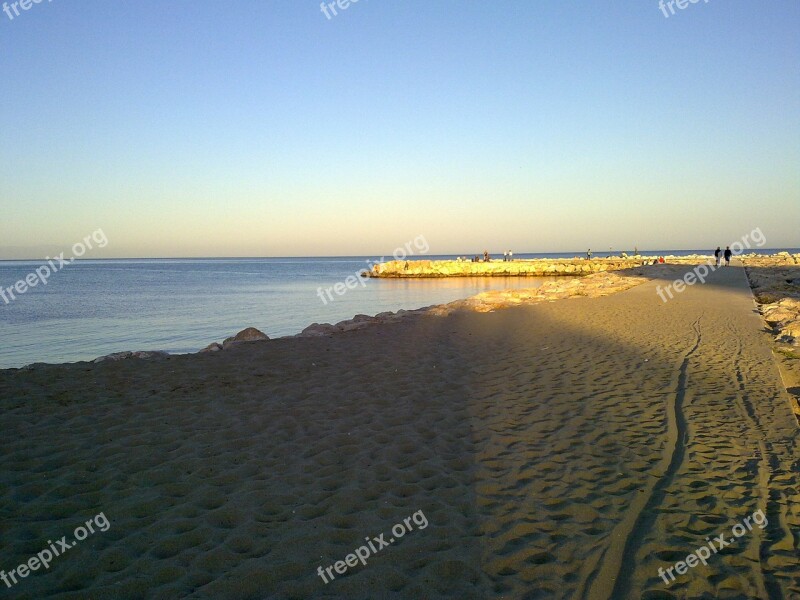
263,128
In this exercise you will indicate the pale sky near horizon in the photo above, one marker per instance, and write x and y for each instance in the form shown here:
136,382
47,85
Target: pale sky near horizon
263,128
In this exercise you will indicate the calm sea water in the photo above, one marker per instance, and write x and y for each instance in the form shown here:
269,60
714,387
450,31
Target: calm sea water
96,307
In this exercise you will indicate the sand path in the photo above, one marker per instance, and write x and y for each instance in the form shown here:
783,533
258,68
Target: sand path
655,425
561,450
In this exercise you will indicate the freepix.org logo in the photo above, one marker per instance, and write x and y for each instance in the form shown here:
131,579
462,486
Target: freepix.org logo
42,274
329,8
12,9
46,556
703,553
663,5
701,272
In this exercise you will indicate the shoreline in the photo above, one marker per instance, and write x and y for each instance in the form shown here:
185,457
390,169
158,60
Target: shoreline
594,285
574,286
781,314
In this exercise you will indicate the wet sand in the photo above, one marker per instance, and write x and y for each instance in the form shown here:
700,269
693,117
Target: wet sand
566,449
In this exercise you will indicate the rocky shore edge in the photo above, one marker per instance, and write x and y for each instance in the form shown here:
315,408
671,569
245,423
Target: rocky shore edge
775,282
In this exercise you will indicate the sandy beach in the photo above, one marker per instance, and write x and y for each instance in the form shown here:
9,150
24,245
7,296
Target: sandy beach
565,449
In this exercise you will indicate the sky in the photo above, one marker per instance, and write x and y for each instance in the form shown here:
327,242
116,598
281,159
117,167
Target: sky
266,128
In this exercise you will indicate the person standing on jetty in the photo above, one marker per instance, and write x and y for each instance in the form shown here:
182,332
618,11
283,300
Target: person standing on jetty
728,254
589,254
717,252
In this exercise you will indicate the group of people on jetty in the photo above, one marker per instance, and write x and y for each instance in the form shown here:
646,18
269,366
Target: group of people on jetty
508,256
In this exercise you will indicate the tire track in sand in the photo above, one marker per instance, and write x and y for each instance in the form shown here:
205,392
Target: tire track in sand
612,578
759,544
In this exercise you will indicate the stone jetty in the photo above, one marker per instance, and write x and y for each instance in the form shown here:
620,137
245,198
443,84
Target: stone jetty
544,267
547,267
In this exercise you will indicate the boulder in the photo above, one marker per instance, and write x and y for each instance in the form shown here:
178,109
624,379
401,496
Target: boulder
318,330
786,309
351,325
145,354
789,332
251,334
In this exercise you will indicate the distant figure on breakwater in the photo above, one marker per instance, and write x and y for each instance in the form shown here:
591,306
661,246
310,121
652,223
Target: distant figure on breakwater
505,255
485,256
510,256
716,254
728,254
589,254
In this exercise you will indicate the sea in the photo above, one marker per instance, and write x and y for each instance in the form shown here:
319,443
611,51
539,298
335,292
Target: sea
91,308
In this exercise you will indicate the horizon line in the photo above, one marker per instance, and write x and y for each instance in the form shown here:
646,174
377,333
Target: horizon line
417,256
